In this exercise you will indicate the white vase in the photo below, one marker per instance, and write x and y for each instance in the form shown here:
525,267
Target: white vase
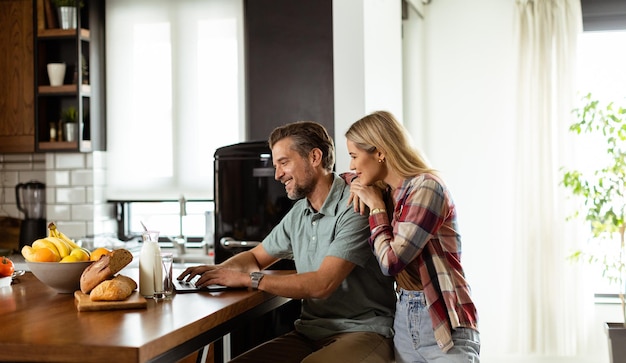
69,132
67,17
56,73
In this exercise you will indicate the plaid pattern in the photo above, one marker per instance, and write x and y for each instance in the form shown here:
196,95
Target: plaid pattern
422,240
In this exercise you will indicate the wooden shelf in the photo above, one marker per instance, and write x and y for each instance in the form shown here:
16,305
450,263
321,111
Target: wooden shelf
58,145
85,145
56,33
82,55
66,89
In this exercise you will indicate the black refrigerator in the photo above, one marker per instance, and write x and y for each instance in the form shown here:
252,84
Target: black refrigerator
249,202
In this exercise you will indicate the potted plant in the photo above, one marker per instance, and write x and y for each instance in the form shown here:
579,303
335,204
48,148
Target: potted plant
602,193
69,118
67,12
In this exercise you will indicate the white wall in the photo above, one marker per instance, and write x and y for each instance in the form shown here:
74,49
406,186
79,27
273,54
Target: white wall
414,72
367,61
457,97
469,137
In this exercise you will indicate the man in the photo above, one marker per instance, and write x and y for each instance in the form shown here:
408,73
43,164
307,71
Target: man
347,304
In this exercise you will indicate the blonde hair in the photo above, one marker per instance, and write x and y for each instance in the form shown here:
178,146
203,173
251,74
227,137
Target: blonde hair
381,131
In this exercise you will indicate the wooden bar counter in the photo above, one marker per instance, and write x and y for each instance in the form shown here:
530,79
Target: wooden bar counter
39,324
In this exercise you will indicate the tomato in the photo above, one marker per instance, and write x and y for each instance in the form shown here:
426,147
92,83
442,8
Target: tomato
6,267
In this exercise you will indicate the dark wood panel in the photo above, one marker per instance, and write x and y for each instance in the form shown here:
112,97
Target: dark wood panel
17,112
17,144
289,64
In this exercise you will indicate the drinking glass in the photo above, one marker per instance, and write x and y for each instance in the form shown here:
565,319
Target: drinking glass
163,285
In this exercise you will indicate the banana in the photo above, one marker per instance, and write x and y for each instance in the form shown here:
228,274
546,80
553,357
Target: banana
68,240
45,243
52,229
28,252
62,246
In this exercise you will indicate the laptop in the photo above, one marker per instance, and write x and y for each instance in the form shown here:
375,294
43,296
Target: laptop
190,286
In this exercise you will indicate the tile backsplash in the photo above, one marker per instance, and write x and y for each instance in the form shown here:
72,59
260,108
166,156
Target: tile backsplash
75,189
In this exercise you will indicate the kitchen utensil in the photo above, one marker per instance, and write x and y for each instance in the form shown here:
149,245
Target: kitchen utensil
17,274
31,200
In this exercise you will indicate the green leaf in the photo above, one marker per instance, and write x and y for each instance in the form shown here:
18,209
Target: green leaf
601,192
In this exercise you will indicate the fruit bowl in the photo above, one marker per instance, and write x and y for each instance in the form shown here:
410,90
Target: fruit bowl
63,277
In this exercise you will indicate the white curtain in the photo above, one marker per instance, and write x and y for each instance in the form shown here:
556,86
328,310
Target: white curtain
549,290
174,94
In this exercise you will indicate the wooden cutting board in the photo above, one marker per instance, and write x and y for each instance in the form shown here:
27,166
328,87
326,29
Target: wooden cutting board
83,303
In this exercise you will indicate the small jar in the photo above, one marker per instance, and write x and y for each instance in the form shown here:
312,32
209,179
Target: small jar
53,131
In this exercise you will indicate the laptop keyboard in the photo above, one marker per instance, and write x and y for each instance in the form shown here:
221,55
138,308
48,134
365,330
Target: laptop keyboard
188,284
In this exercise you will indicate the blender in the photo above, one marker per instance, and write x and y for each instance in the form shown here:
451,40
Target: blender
31,200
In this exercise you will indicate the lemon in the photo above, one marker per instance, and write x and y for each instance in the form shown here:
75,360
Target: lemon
80,254
69,258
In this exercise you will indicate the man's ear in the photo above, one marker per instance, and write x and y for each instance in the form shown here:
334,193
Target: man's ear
315,156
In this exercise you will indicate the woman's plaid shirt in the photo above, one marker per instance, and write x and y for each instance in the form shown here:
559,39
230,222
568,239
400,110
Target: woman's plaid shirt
422,240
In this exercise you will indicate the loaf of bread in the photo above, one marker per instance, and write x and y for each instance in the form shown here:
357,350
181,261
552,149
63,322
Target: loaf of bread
104,269
117,289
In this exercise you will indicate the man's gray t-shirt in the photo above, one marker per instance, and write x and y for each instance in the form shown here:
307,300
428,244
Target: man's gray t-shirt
365,300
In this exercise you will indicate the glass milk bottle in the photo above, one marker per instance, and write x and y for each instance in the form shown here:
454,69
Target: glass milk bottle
149,258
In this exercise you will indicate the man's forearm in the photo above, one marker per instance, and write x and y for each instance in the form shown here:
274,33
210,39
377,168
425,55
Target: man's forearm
243,261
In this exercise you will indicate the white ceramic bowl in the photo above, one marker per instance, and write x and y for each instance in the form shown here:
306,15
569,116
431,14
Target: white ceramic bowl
63,277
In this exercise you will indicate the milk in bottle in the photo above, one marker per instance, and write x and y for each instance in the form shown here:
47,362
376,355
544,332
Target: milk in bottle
149,257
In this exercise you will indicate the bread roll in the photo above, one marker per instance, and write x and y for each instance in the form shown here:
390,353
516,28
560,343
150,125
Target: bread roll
117,289
103,269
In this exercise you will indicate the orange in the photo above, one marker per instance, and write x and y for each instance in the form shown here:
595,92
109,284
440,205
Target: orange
98,252
45,254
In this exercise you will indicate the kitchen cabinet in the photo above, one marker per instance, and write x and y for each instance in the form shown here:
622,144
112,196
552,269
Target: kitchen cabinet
17,106
81,49
289,64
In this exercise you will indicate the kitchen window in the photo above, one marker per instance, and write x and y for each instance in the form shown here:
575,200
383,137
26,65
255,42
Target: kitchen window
192,220
174,95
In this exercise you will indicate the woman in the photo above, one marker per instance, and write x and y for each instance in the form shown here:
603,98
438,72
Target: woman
415,238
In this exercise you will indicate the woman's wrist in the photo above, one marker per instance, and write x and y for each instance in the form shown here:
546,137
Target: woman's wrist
377,210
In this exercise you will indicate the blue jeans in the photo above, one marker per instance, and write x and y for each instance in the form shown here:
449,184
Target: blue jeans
414,339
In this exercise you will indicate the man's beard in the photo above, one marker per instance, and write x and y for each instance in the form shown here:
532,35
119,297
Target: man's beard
302,190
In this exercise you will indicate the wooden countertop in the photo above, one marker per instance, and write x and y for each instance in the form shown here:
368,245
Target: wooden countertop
40,324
